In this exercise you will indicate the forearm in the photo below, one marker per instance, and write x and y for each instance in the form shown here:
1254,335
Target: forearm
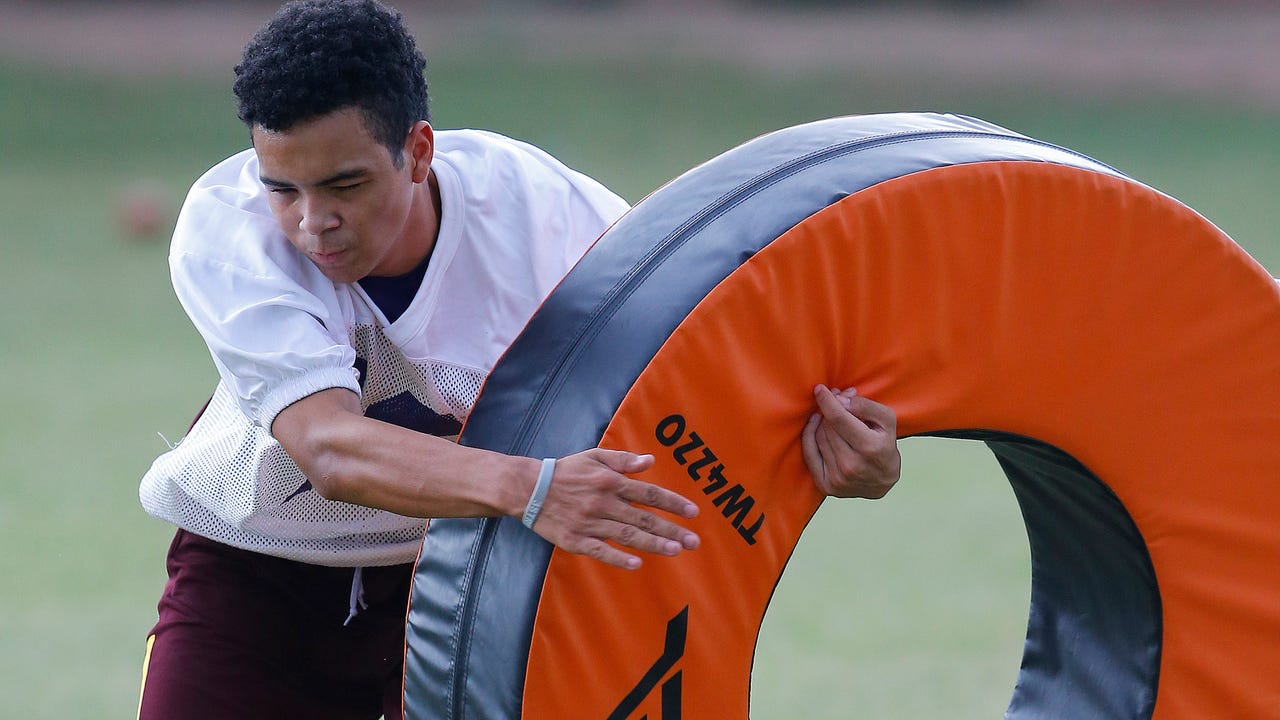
359,460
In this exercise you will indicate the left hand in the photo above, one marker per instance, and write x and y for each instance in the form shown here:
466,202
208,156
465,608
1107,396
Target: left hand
851,445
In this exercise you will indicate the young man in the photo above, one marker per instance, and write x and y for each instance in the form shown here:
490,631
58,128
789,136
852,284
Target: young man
356,275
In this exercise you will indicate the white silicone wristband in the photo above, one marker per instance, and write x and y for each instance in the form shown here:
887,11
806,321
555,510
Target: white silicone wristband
539,494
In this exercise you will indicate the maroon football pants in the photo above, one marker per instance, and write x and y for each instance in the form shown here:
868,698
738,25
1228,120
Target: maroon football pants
247,636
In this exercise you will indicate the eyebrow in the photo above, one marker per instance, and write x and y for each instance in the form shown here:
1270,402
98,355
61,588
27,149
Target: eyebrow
331,180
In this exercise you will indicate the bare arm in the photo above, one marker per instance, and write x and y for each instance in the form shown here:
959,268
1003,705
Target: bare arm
355,459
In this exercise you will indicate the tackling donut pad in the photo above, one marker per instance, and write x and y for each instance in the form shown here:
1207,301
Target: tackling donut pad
1115,351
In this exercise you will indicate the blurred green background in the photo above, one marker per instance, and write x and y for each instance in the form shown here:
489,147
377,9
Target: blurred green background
914,606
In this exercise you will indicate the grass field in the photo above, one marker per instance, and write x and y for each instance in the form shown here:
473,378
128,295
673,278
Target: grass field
914,606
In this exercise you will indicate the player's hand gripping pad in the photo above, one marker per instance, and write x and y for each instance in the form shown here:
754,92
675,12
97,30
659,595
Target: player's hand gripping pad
1117,352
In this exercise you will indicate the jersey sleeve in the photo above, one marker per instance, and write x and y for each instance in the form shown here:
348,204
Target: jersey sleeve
273,323
568,211
591,208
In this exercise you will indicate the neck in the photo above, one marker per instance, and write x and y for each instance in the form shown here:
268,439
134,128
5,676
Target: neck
424,223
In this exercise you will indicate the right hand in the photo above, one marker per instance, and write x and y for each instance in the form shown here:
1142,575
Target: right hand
592,503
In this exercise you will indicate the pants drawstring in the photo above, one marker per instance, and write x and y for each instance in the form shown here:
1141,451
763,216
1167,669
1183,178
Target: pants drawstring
357,602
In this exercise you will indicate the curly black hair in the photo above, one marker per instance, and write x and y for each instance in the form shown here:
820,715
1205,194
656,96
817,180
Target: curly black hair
318,56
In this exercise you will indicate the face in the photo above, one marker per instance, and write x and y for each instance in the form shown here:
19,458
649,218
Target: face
342,201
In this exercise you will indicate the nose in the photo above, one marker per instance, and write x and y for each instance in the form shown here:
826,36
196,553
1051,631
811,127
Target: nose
317,216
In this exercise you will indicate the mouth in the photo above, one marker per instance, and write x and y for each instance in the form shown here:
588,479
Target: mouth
327,258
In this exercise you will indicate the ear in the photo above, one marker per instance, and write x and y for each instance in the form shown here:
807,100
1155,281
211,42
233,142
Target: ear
420,148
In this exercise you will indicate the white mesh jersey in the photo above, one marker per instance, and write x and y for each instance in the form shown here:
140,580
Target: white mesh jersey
513,221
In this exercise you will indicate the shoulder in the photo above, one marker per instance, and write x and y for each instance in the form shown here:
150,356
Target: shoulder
227,200
482,148
227,220
486,162
233,182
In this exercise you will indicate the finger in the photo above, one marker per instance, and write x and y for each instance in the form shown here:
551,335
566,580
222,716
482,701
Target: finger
846,463
841,396
645,531
850,474
842,459
604,552
622,461
830,404
660,498
643,521
873,413
847,395
830,460
847,425
809,446
844,395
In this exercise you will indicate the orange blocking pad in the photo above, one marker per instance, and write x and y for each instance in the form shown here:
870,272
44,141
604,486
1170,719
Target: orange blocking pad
1031,300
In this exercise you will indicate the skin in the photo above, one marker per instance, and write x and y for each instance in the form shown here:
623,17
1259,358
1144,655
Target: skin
850,445
345,202
357,210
